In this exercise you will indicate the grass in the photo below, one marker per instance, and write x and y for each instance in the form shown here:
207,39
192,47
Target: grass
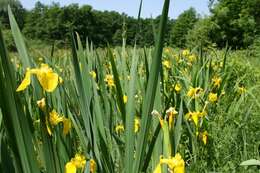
121,104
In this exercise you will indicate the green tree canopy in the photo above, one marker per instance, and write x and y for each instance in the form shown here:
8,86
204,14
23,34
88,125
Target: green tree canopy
181,27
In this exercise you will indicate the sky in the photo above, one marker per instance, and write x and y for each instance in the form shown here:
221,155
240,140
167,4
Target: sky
150,7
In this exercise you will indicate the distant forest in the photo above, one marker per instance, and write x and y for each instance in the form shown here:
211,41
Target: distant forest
232,22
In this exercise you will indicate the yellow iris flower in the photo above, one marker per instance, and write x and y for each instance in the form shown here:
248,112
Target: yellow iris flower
195,116
48,79
194,92
213,97
216,81
78,162
186,52
109,79
55,119
175,164
166,64
177,87
120,128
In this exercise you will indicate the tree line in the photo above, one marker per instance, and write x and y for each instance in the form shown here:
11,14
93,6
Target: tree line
232,22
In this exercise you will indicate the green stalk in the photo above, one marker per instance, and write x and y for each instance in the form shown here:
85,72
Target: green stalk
150,92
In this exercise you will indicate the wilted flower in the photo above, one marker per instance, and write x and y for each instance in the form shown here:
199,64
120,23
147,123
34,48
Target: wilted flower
41,103
92,166
171,113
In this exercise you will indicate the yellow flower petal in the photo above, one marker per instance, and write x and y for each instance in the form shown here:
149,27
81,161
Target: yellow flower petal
47,78
119,128
158,169
26,82
55,118
41,103
70,168
66,126
137,125
92,165
195,118
48,129
204,137
125,98
177,87
213,97
79,161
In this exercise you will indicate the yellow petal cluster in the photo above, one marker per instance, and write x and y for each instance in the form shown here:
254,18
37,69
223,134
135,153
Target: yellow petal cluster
55,119
216,81
191,58
120,128
93,74
78,162
186,52
213,97
177,87
175,164
166,64
241,90
109,79
47,78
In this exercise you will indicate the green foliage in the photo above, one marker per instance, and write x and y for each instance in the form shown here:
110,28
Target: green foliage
54,22
181,27
18,11
237,22
199,35
10,45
